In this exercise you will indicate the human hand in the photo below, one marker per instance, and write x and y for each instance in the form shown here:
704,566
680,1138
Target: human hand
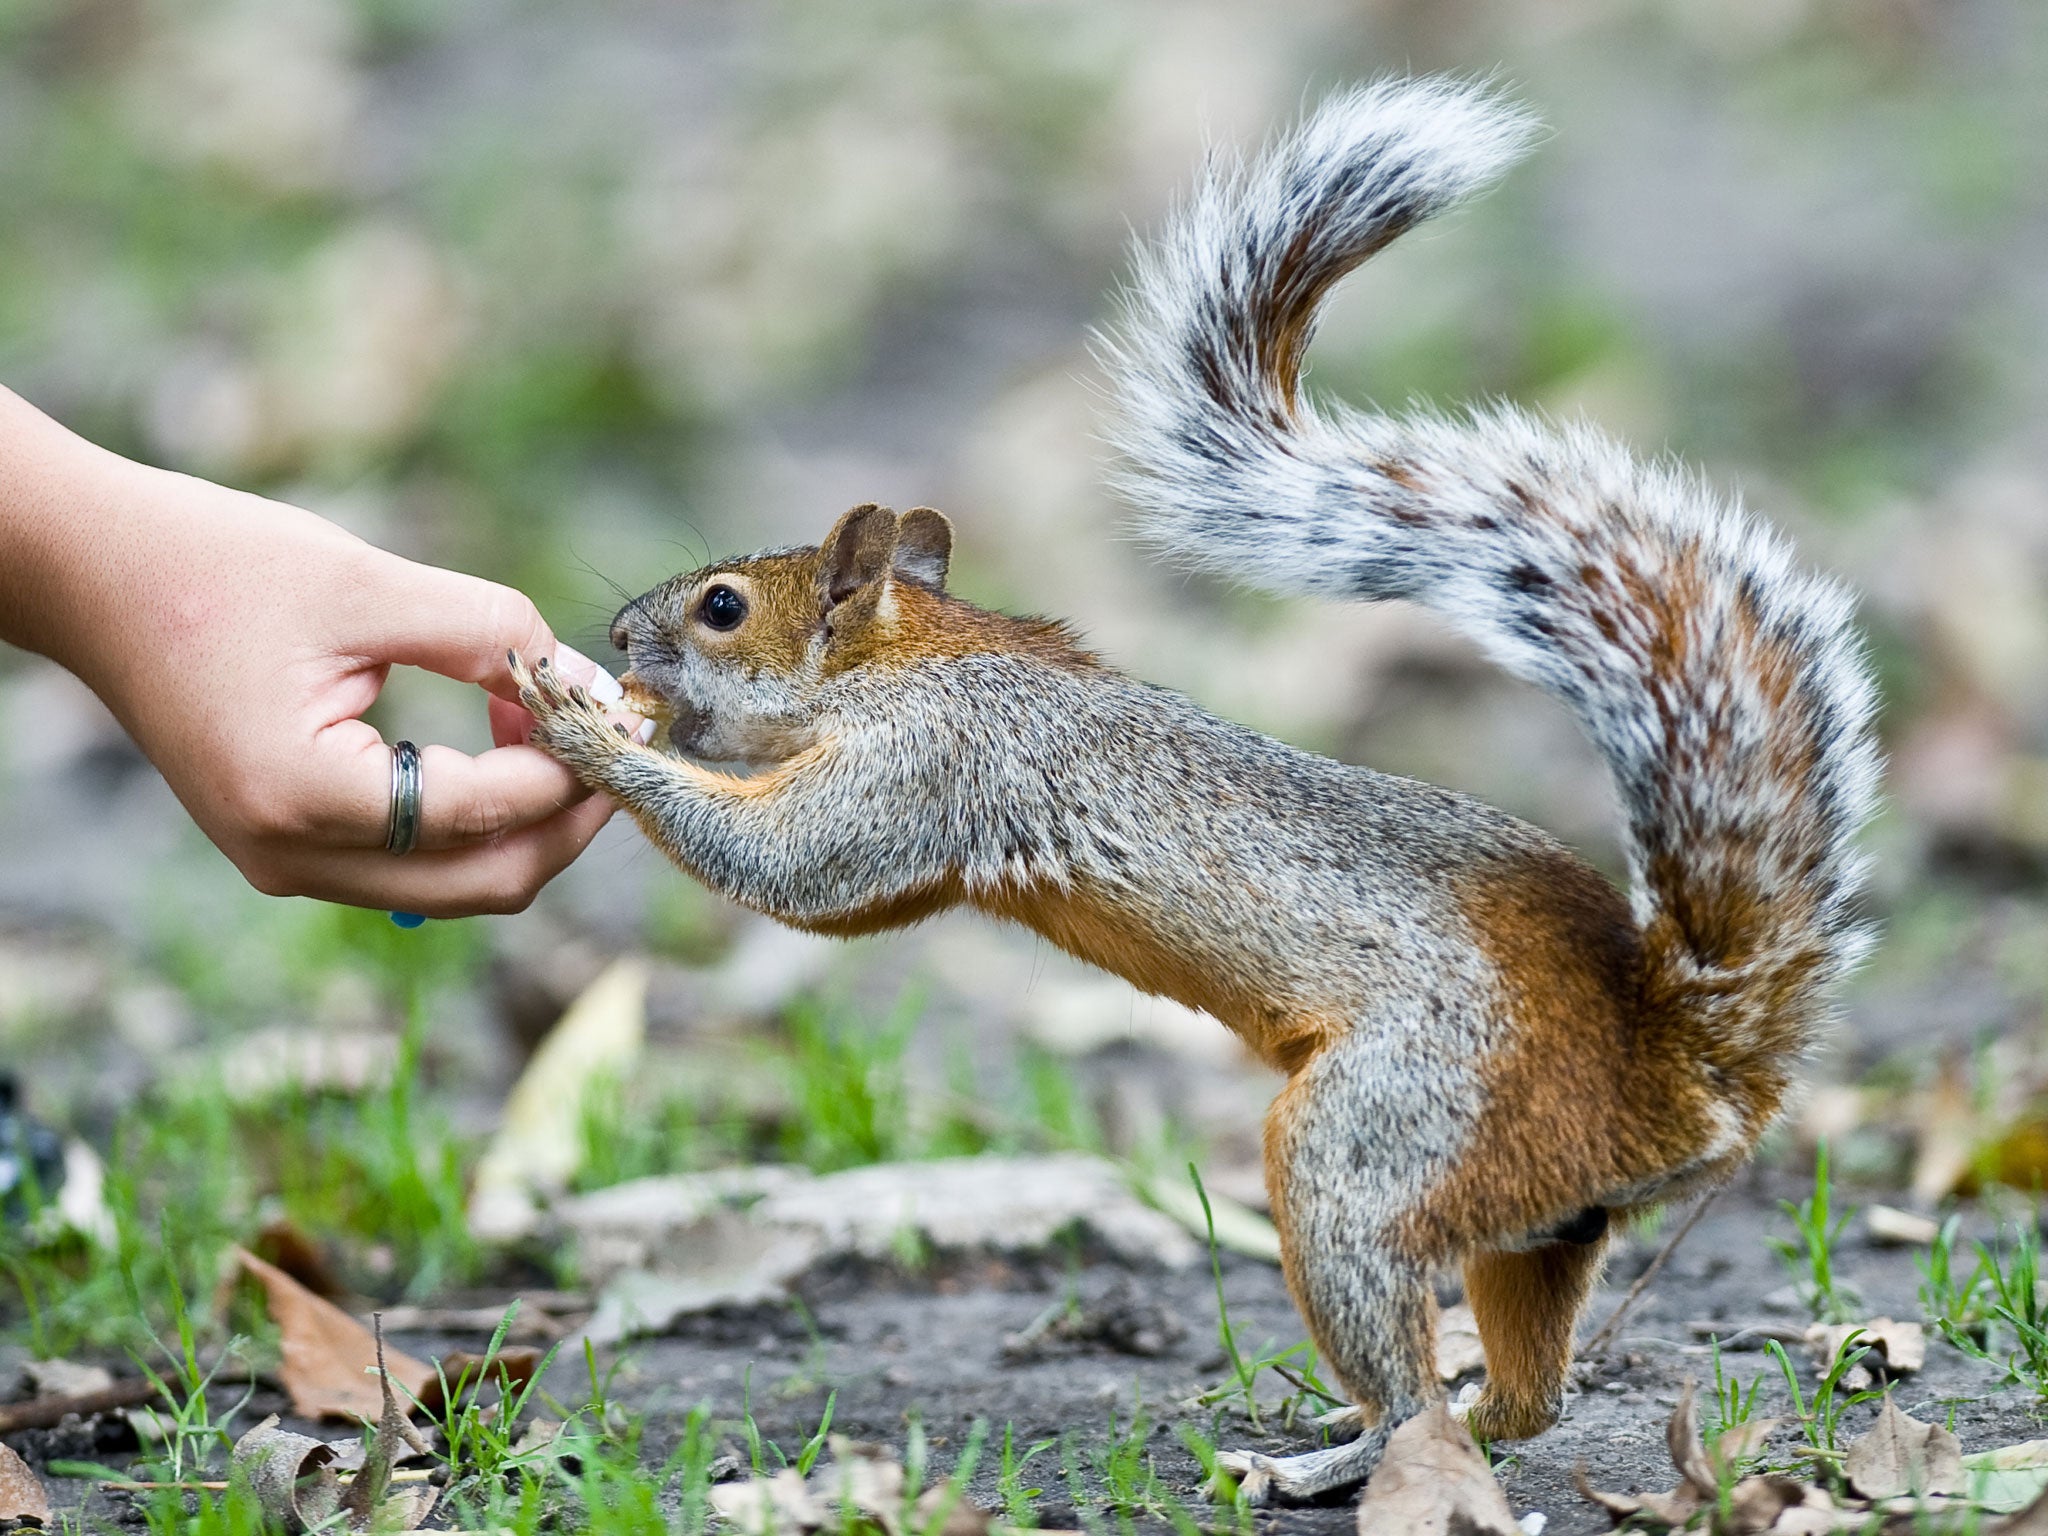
240,641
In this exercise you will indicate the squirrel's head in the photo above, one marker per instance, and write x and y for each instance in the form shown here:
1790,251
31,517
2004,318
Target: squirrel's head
738,653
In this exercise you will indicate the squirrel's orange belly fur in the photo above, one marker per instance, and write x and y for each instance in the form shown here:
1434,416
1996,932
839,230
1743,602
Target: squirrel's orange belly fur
1584,1099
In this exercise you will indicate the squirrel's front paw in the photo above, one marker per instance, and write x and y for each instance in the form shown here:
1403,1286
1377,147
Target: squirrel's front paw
567,721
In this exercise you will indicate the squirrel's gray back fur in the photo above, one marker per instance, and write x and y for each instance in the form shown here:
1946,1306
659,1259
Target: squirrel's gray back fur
1725,688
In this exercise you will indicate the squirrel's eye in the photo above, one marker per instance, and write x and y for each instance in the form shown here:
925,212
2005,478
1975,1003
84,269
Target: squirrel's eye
722,608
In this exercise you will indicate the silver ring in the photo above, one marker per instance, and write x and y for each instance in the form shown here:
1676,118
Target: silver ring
403,830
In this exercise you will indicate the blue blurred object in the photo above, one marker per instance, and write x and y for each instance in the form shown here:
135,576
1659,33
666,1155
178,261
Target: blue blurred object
31,1157
407,919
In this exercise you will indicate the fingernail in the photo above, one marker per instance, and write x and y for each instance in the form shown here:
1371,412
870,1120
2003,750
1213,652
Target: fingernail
645,733
603,686
407,919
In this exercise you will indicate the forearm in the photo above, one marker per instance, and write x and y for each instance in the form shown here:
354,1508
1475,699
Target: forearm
113,568
799,842
56,491
771,843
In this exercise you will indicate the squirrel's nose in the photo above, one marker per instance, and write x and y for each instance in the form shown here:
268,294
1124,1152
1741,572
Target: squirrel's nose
619,633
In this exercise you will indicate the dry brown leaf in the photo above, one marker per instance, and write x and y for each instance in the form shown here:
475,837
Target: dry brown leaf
22,1496
291,1250
508,1370
782,1505
2031,1521
862,1478
1782,1506
1899,1455
1899,1348
1695,1477
1758,1505
1650,1511
1742,1440
1458,1350
1682,1439
328,1355
1433,1481
291,1475
66,1378
368,1502
1895,1228
294,1476
1950,1127
539,1144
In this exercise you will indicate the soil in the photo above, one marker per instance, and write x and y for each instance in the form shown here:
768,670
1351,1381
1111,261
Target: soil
932,1345
890,1349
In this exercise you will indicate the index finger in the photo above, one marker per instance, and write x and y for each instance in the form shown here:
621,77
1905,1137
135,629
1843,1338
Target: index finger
444,621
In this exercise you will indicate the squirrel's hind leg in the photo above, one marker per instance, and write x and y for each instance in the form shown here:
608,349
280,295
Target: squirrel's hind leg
1526,1304
1350,1147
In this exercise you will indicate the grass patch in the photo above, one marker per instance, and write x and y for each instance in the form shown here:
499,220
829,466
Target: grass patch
1810,1256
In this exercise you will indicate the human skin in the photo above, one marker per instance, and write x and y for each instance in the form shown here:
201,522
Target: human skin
240,641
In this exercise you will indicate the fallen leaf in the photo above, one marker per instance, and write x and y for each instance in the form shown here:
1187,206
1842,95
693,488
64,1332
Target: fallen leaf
1688,1451
982,1204
1741,1441
1780,1506
508,1370
285,1058
1899,1455
2010,1477
327,1354
2030,1521
294,1477
862,1480
1432,1481
1895,1228
539,1144
66,1378
291,1475
22,1496
368,1502
2017,1157
782,1505
1239,1228
1950,1127
283,1244
1458,1350
1900,1348
1758,1505
744,1266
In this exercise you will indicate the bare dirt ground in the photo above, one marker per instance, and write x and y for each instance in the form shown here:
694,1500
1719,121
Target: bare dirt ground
891,1347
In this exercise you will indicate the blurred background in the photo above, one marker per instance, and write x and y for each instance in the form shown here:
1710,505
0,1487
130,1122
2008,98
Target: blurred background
573,295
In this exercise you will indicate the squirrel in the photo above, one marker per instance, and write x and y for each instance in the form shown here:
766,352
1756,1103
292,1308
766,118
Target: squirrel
1489,1052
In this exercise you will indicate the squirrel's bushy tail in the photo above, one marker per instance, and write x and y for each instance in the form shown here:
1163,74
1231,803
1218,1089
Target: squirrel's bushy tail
1725,687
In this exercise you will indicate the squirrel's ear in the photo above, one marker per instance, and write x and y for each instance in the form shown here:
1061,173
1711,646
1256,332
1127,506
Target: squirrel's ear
856,552
924,546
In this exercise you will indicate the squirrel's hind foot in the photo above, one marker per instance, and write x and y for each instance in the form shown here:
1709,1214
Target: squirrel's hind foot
1299,1479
